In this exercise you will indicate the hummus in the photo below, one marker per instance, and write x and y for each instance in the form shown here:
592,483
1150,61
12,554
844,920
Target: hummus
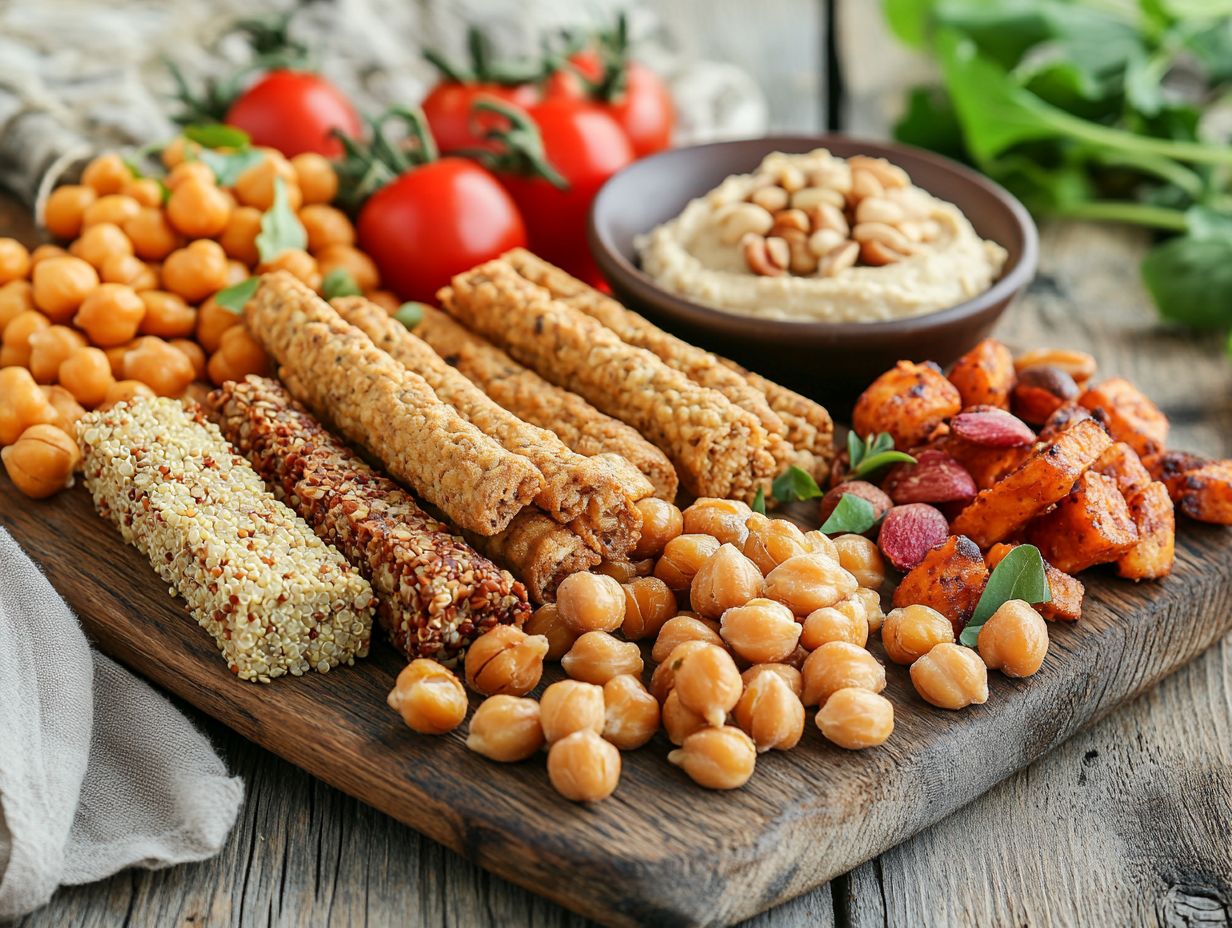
865,245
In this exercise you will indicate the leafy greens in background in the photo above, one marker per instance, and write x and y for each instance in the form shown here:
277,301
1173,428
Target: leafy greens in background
1093,109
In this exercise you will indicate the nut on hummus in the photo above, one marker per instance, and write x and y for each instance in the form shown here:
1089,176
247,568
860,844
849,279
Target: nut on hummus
817,238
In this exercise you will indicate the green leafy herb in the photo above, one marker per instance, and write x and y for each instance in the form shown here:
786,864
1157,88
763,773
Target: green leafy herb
853,515
410,314
793,484
234,298
217,135
869,455
281,229
229,165
759,501
1020,575
339,282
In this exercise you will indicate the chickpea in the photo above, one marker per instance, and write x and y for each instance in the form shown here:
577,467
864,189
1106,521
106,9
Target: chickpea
708,682
846,620
43,252
191,350
145,190
14,260
648,606
855,718
326,226
725,580
912,631
760,631
770,713
546,621
661,522
68,410
361,267
391,304
114,209
770,542
157,365
86,374
151,234
65,208
115,357
837,664
212,321
166,315
49,348
860,557
808,582
679,629
663,680
220,370
591,602
1014,639
242,352
625,571
110,315
717,758
125,391
505,660
818,541
682,557
60,284
179,148
950,677
872,608
22,404
315,176
130,271
186,171
16,297
237,272
42,460
299,264
430,699
583,767
679,722
722,518
568,706
596,657
21,329
255,187
195,271
99,242
198,209
106,174
789,675
631,714
239,238
506,729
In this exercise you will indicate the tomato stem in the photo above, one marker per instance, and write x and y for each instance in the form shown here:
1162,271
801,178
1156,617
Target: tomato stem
484,69
366,167
523,152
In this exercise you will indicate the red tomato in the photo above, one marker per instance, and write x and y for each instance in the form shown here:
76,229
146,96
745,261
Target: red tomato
448,111
436,221
294,111
586,146
643,107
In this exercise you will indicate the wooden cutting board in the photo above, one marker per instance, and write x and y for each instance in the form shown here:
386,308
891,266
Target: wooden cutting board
660,851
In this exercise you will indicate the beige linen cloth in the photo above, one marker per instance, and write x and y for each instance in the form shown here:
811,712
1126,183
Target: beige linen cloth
97,771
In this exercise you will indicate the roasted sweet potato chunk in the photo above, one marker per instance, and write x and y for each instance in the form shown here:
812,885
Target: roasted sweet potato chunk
1064,417
1129,415
984,375
1041,480
1170,468
1122,464
908,401
1152,556
950,579
1092,525
1206,493
1067,591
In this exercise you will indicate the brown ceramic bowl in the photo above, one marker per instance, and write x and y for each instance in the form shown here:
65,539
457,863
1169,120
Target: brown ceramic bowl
832,361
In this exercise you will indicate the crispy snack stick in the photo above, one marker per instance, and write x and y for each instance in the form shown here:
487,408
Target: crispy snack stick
718,448
376,402
583,492
274,597
527,395
539,550
435,594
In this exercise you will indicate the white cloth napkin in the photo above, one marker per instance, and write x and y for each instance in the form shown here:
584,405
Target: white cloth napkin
97,771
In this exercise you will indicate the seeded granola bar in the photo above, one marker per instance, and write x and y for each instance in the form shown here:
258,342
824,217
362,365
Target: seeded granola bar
539,550
274,597
435,594
376,402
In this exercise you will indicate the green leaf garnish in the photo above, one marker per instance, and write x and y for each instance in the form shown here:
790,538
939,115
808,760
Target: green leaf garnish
410,314
235,297
868,455
1020,575
853,515
793,484
759,501
281,229
339,282
217,135
228,166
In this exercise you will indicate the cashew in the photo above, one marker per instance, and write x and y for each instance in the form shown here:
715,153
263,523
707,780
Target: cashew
878,253
791,219
824,241
887,174
791,178
826,216
882,233
810,197
877,209
770,198
762,257
736,220
837,260
864,184
803,261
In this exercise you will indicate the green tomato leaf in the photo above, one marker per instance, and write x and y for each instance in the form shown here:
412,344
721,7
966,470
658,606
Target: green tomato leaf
234,298
1205,223
410,314
759,501
875,462
1190,280
228,166
1020,575
793,484
339,282
909,20
281,229
853,515
217,135
929,121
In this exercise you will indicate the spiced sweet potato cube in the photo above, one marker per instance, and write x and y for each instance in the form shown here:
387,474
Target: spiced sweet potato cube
909,401
1129,415
1152,556
1066,591
984,376
1122,464
950,579
1092,525
1206,493
1170,468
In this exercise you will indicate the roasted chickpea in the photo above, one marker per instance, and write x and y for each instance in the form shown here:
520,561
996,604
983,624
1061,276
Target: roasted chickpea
212,321
631,714
789,675
837,664
239,238
682,557
114,209
220,370
198,209
568,706
60,284
761,631
596,657
546,621
583,767
820,542
315,176
717,758
661,522
237,272
242,352
175,151
625,571
430,699
770,713
708,682
14,260
299,264
664,677
846,620
106,174
873,613
65,208
808,582
16,297
49,348
115,357
679,629
19,331
42,460
913,631
725,580
770,542
43,252
130,271
255,187
648,605
159,366
145,190
166,315
859,557
191,350
99,242
196,271
361,268
22,404
679,722
125,391
505,660
721,518
192,170
326,226
591,602
1014,640
151,234
86,373
68,410
506,729
950,677
856,718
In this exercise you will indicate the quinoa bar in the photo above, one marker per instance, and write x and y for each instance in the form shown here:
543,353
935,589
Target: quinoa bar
718,448
348,382
274,597
435,594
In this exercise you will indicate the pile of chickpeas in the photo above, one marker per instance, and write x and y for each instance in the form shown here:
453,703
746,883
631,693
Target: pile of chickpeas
776,620
125,306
